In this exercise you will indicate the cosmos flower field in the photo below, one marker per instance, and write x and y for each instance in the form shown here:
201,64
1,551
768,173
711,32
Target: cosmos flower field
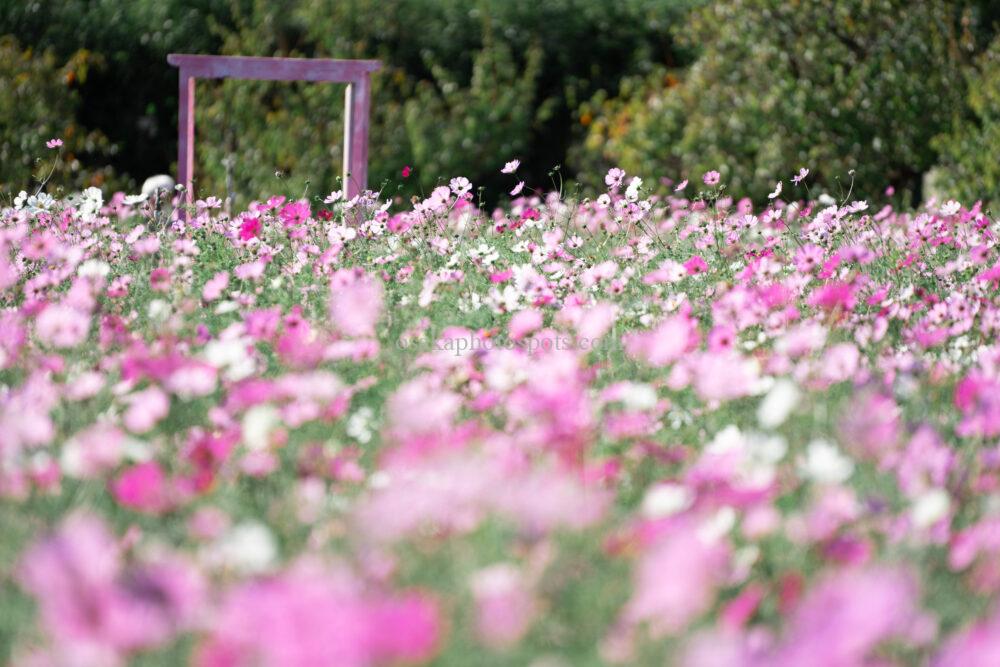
638,430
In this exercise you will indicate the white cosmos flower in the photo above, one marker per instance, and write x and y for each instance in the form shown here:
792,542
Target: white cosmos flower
951,207
632,192
665,499
638,396
258,422
93,268
778,404
511,167
824,463
930,507
91,202
248,548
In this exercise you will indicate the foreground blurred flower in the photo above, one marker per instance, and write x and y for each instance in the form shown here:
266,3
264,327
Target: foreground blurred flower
142,487
95,609
355,302
308,617
505,607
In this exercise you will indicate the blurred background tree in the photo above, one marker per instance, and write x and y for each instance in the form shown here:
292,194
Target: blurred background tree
969,166
665,88
854,86
40,101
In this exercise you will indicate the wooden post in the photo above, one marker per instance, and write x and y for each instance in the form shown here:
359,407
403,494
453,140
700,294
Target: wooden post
185,135
358,103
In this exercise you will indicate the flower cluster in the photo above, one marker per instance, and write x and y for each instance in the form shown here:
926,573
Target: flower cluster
716,434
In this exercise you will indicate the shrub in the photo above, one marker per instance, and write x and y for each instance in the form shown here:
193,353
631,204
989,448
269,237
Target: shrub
858,86
129,94
40,102
968,152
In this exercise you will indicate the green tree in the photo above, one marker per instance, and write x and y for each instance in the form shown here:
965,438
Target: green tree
856,87
968,152
40,101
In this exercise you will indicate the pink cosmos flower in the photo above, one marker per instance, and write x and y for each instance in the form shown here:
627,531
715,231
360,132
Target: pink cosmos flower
511,167
975,646
318,618
870,427
251,270
355,302
847,615
594,322
250,228
524,322
96,609
517,189
724,376
696,265
711,178
834,295
676,580
614,178
216,285
146,409
664,344
840,362
722,338
93,451
143,488
62,327
505,606
295,213
159,279
53,143
460,186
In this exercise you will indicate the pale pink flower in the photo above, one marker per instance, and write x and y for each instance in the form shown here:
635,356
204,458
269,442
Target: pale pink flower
92,604
975,646
62,327
355,302
614,178
505,606
676,581
723,376
215,286
460,186
524,322
511,167
146,409
847,615
664,344
317,618
711,178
